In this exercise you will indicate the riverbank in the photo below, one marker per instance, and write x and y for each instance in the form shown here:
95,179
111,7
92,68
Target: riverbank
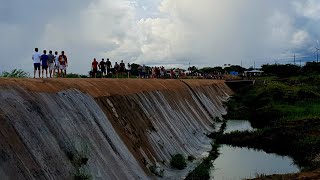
286,114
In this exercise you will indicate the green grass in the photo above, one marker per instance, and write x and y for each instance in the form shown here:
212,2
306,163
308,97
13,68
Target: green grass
299,110
287,114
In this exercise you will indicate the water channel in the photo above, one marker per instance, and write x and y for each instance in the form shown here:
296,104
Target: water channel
239,163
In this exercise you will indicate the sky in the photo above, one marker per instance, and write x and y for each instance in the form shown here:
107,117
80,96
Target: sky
173,33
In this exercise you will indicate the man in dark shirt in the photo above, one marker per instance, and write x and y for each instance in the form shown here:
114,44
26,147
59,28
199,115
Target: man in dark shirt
116,69
122,68
94,67
108,64
44,62
102,67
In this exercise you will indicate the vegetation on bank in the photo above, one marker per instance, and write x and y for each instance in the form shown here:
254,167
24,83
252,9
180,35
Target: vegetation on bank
79,159
16,73
286,112
178,161
202,171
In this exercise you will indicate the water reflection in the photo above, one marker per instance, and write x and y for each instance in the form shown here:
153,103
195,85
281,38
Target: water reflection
238,125
239,163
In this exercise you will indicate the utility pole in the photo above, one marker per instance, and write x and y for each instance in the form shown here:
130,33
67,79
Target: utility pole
294,59
241,63
254,64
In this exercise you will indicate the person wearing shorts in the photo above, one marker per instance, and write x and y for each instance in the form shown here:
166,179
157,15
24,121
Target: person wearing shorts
63,64
51,64
56,64
44,63
36,57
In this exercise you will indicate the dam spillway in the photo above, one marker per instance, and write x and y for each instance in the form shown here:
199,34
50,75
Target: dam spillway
121,126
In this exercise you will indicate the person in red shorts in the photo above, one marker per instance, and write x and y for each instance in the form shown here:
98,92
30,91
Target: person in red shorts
94,66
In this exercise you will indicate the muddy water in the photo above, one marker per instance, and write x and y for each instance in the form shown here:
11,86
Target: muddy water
239,163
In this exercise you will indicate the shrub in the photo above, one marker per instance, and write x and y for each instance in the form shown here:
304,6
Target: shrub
157,172
201,172
72,75
16,73
191,158
178,161
82,174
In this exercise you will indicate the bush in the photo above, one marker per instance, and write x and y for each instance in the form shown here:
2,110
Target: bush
178,161
191,158
16,73
156,171
82,174
73,75
201,172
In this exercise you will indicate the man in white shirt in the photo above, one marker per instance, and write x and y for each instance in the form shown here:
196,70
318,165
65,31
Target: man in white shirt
36,62
57,64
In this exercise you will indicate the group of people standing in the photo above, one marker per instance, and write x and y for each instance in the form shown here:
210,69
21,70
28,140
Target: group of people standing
106,68
55,63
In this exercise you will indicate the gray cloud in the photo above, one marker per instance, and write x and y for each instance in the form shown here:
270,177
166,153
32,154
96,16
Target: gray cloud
176,32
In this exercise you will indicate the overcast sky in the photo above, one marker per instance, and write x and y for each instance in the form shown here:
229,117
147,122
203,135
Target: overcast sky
159,32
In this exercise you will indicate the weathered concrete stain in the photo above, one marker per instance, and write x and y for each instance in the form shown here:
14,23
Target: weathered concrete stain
123,126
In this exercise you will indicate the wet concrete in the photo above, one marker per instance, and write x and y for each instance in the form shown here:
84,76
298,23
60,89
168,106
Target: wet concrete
121,126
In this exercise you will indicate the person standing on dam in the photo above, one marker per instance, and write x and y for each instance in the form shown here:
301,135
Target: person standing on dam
36,62
94,67
143,70
108,64
116,68
129,70
51,64
63,61
122,68
56,65
102,67
44,62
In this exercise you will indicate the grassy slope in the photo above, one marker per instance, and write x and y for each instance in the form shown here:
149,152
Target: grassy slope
287,113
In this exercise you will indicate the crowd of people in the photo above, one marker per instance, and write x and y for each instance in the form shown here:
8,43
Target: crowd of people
106,69
49,63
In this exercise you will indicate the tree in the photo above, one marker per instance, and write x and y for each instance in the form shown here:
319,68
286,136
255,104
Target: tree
235,68
281,70
206,70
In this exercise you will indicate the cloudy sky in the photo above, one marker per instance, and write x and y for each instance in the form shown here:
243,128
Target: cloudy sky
159,32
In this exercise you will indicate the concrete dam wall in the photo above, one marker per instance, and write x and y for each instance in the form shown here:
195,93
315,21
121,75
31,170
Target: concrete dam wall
104,128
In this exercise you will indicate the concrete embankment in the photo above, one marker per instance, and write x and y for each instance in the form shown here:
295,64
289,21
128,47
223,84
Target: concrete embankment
120,126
